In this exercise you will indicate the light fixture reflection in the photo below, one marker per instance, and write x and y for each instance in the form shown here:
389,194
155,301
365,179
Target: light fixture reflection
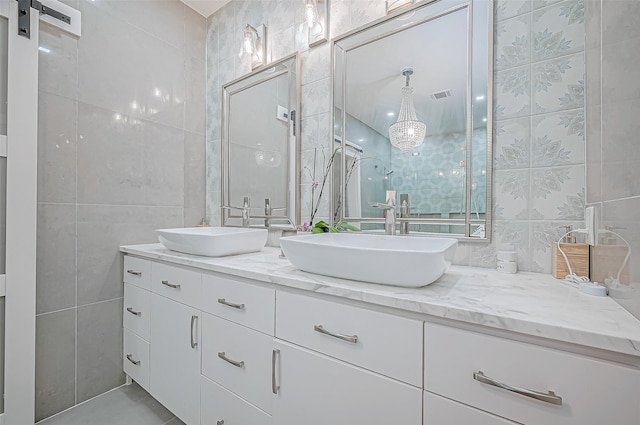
267,158
408,132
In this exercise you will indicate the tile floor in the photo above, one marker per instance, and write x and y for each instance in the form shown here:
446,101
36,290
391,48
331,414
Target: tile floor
126,405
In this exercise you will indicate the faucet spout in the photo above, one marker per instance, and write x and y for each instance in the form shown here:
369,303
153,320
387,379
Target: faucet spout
390,212
405,210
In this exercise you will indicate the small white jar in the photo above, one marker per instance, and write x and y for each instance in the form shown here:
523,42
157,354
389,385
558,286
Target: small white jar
507,259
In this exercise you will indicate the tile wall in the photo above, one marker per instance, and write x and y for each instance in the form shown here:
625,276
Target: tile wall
120,153
539,159
613,147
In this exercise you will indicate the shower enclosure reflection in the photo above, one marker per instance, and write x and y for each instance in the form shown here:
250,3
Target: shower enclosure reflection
445,178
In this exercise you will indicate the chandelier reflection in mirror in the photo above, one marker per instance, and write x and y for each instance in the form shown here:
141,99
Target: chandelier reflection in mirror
408,132
257,48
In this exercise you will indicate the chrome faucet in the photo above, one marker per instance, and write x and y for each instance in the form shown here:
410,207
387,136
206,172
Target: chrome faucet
405,210
245,209
390,212
267,212
269,218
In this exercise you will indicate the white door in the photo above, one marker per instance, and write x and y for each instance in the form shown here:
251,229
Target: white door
4,38
318,390
174,378
18,168
18,188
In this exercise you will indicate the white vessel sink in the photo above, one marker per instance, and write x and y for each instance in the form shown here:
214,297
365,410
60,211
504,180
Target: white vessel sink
213,241
389,260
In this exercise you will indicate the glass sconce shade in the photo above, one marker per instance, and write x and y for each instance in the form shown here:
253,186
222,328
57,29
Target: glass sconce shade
316,14
254,47
311,13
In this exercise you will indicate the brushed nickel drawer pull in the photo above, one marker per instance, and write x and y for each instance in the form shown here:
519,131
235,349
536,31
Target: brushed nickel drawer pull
274,384
549,397
232,305
135,273
171,285
349,338
194,344
135,313
224,357
130,358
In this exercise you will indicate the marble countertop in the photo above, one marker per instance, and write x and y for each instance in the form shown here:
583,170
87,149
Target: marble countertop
527,303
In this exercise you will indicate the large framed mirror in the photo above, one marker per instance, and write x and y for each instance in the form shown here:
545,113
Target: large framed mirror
412,120
260,146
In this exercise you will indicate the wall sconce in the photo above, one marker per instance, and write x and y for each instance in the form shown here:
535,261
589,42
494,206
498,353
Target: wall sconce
393,5
317,18
256,49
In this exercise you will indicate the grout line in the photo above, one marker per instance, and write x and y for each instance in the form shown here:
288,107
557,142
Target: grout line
79,404
100,302
55,311
129,205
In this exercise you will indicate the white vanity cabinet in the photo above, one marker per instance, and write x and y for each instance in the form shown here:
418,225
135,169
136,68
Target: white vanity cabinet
314,389
237,346
136,314
527,383
175,357
162,333
217,349
343,365
442,411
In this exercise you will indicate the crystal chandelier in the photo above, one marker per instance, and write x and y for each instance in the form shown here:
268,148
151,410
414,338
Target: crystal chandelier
407,132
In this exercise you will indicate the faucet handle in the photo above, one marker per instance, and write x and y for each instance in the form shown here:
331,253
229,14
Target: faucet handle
391,197
382,206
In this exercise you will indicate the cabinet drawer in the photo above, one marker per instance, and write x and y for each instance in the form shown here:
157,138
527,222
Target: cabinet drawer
136,358
380,342
442,411
136,310
137,272
238,358
453,357
314,389
181,285
243,303
218,405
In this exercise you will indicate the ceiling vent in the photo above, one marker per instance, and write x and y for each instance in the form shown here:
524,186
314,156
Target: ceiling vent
441,94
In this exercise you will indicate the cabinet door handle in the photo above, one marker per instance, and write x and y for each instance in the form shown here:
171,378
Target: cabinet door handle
135,273
349,338
549,397
130,358
228,304
274,384
224,357
194,344
135,313
171,285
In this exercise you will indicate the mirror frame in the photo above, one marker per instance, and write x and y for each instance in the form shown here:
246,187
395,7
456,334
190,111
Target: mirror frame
468,221
230,218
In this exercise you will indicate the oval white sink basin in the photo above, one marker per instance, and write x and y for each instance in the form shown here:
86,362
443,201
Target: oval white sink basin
213,241
389,260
